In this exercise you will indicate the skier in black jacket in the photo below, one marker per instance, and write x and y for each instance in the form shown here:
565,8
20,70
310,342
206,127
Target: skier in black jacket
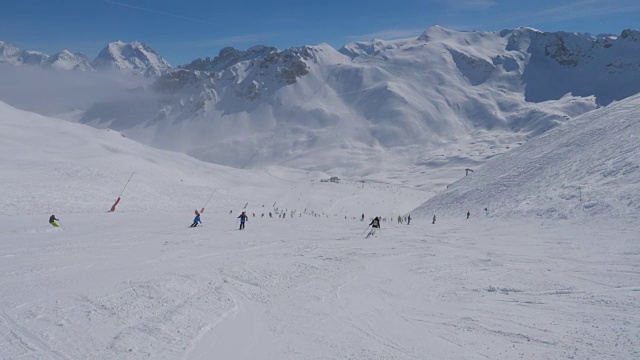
375,224
52,221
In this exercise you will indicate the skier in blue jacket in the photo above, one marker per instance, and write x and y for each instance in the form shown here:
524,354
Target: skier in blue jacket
196,220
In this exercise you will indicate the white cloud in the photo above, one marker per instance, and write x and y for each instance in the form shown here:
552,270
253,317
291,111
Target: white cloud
389,34
471,4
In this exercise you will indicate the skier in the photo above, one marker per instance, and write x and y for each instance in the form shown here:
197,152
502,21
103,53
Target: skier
399,219
434,219
196,220
230,211
408,219
52,221
262,215
270,215
468,214
486,212
243,217
375,224
362,218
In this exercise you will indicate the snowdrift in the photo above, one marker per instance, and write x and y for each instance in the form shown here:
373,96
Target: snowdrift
589,166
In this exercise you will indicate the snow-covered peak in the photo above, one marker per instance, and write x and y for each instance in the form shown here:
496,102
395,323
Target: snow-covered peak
11,54
65,60
436,33
135,57
8,51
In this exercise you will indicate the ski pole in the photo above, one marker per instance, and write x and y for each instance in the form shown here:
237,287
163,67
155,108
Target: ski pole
365,230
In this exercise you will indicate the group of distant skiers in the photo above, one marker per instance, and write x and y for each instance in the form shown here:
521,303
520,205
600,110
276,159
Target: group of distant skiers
406,218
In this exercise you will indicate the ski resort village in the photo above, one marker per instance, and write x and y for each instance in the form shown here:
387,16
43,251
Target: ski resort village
463,191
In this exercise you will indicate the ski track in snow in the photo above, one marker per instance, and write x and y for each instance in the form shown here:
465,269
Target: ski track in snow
310,288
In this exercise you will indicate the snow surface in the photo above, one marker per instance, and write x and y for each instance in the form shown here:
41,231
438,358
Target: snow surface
138,283
587,166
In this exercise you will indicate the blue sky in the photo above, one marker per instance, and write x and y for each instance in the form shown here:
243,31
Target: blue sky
181,31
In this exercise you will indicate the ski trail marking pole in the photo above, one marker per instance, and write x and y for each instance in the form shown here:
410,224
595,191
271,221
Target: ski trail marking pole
207,203
113,207
125,185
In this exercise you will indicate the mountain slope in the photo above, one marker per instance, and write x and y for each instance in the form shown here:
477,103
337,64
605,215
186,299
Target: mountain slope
134,57
590,165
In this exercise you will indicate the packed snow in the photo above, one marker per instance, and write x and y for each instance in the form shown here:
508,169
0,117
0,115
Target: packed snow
139,283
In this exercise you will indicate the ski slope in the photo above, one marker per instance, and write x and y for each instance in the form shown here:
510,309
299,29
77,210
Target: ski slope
143,285
139,283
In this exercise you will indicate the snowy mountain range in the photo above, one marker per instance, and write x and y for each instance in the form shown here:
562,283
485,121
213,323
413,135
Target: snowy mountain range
135,57
424,106
414,111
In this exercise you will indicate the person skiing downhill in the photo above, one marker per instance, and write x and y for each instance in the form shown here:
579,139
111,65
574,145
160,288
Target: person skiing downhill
243,217
408,219
434,219
196,220
468,214
399,219
52,221
375,224
362,217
